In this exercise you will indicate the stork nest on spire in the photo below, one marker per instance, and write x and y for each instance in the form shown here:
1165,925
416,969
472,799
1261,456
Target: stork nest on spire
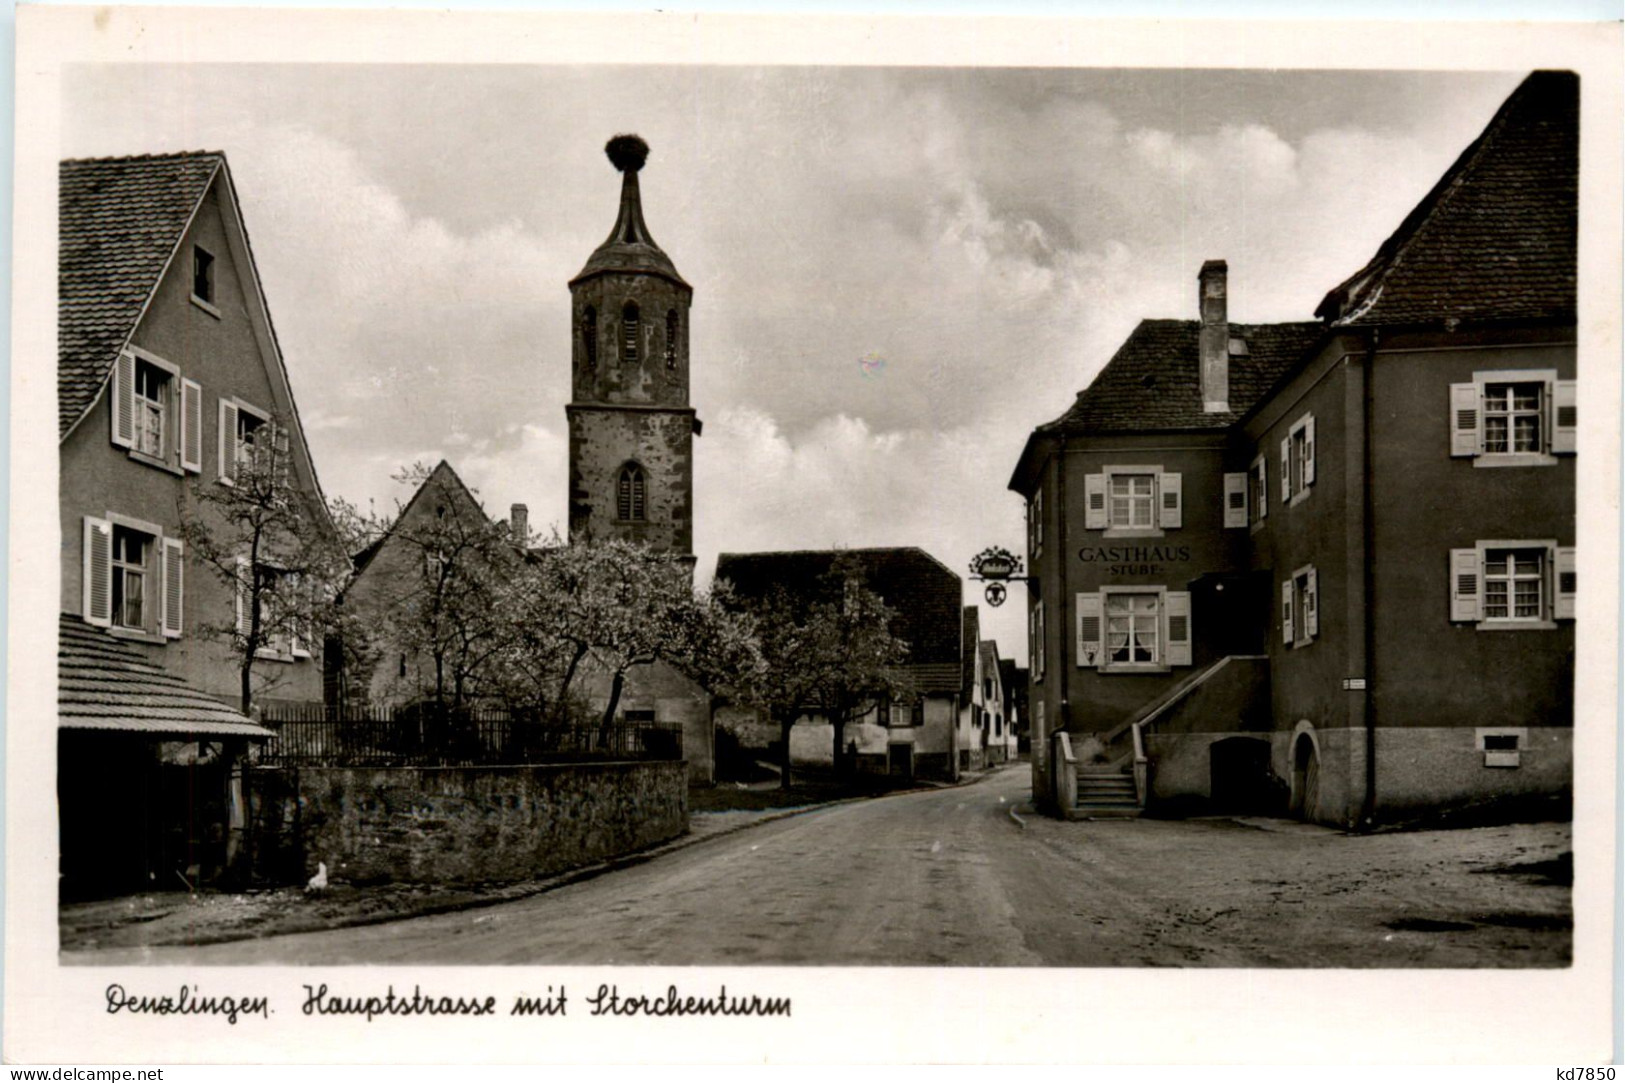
627,153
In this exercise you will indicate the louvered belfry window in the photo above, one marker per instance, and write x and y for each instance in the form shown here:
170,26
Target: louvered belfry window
629,503
629,332
589,335
671,338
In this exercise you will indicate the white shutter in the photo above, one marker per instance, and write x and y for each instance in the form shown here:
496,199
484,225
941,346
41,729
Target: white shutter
1311,605
98,572
1178,610
1309,450
1235,500
121,404
1042,646
1090,652
1286,469
1567,581
1094,501
1038,521
1466,589
244,617
1172,501
191,426
1464,420
1263,487
1565,417
174,588
228,442
1286,612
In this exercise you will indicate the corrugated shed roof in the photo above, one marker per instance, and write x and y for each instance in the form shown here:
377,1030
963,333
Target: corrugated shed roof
1154,381
105,684
120,220
923,591
1495,239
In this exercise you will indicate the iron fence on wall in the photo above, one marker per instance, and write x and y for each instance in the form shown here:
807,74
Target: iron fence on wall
422,736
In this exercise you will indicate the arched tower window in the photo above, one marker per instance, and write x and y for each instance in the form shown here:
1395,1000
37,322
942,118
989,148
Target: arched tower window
589,335
629,332
629,505
671,338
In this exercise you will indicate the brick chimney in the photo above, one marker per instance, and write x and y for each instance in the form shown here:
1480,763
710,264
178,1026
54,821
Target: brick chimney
519,522
1214,338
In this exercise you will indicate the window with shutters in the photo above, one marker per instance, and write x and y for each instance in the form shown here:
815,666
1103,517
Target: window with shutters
1300,608
132,577
1036,641
1260,474
630,331
1513,418
1298,460
1509,584
1133,501
589,335
156,414
1035,524
671,338
1128,629
629,494
256,444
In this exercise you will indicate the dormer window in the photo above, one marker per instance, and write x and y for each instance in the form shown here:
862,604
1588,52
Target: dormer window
589,335
629,332
671,338
629,503
202,275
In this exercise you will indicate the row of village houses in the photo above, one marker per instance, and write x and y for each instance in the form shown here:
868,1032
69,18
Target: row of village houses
171,379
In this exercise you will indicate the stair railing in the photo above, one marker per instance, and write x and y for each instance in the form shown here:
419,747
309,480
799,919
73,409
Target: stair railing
1160,707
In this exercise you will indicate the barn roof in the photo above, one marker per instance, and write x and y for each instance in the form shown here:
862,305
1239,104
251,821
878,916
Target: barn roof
120,220
922,590
1495,239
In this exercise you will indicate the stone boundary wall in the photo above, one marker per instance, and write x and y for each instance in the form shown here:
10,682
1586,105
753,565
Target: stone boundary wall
458,825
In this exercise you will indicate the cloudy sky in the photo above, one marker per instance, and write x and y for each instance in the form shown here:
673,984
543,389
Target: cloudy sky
897,272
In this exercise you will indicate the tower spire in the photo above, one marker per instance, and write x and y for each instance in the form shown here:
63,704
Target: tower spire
629,247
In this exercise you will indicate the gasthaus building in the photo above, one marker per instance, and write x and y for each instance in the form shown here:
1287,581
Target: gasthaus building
1328,568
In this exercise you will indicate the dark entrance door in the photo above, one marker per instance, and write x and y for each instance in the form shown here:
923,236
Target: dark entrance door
900,760
1232,611
1305,779
1239,776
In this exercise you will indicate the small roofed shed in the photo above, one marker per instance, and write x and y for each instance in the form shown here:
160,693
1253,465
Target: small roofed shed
102,684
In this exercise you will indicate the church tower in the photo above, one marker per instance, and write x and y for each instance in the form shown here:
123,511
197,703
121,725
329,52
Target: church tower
631,427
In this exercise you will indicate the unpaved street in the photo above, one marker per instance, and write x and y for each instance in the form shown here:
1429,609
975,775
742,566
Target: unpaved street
948,877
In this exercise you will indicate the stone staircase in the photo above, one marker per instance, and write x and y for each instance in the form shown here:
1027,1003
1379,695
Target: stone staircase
1104,792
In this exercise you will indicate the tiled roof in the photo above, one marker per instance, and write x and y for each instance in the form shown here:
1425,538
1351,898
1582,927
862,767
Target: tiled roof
1495,238
120,220
920,588
104,684
1154,381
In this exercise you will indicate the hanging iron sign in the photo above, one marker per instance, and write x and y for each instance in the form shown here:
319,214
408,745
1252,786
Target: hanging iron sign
994,594
995,563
